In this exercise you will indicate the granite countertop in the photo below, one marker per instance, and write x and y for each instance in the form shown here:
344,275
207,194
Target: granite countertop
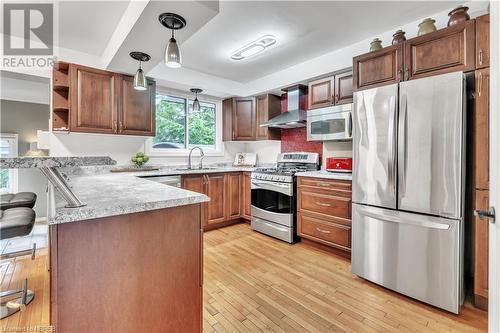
110,194
325,174
58,162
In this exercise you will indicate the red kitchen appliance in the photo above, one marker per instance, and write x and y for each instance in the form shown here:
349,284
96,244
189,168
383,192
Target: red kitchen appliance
339,164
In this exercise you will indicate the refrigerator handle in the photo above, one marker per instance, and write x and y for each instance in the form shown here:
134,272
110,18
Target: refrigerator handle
403,144
350,124
391,150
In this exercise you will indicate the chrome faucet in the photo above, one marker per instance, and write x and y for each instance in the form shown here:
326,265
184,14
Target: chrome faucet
202,154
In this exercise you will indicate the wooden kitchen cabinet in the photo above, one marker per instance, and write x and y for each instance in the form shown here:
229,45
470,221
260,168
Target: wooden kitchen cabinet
267,106
137,108
195,183
481,129
483,41
324,212
94,99
233,199
447,50
481,233
246,196
331,90
244,119
377,68
216,191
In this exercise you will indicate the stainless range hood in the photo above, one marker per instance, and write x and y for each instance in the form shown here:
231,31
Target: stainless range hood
295,115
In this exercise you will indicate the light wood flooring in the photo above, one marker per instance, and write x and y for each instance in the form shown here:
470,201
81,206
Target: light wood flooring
253,283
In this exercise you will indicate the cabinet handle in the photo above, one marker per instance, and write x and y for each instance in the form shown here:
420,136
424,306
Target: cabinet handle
336,98
323,231
407,73
323,204
120,127
324,184
480,84
400,72
480,56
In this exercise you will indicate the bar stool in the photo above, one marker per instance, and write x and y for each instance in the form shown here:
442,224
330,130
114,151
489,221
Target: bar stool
21,199
16,222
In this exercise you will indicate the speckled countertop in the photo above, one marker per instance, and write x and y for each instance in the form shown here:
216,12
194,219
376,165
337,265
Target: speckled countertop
111,194
325,174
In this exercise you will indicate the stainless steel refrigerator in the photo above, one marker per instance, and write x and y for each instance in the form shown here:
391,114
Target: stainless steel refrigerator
408,188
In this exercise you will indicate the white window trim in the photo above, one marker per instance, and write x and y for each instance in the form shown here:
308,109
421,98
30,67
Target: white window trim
219,145
13,172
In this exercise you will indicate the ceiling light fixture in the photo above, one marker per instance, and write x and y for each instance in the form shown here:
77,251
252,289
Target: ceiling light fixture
172,53
254,47
140,82
196,102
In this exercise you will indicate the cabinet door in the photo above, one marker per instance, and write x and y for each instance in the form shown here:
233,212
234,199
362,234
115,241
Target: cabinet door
193,183
246,196
215,190
267,107
321,93
137,108
481,129
343,88
244,119
483,41
233,201
481,229
227,119
447,50
378,68
93,100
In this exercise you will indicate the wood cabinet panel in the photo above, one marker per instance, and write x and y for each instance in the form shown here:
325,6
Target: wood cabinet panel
483,41
332,234
233,203
378,68
320,93
193,183
446,50
93,100
246,196
343,88
481,129
481,234
267,106
215,190
137,108
244,119
227,119
325,204
326,184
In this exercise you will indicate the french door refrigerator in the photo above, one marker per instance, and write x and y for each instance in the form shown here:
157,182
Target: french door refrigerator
408,188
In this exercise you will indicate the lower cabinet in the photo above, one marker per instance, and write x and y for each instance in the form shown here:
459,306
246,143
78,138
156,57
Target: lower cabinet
246,197
481,233
324,212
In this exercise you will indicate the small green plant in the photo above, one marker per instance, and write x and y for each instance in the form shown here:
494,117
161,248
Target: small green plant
139,159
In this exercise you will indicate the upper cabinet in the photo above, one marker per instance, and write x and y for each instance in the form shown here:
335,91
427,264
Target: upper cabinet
446,50
483,41
242,118
331,90
378,68
91,100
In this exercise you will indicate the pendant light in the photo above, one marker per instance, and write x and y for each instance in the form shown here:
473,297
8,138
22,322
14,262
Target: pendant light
196,102
172,52
140,82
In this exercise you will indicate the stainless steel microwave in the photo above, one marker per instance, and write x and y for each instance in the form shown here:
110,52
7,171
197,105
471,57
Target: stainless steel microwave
332,123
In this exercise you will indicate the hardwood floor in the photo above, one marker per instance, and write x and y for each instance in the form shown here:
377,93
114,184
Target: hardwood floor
253,283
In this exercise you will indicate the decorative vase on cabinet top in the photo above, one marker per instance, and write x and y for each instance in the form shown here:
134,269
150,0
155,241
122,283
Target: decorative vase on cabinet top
398,37
426,26
376,44
458,15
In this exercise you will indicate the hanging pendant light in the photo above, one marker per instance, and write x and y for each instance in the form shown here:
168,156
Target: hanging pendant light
196,102
140,82
172,52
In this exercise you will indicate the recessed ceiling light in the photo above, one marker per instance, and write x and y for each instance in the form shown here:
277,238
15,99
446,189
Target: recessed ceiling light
254,47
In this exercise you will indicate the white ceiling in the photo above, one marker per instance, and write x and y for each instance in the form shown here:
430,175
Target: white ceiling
304,30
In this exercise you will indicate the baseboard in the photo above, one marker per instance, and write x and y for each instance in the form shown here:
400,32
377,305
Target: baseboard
222,224
481,302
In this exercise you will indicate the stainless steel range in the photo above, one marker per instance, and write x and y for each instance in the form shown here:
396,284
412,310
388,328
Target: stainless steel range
274,192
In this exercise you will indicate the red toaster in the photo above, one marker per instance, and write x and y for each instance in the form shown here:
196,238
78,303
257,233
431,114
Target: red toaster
339,164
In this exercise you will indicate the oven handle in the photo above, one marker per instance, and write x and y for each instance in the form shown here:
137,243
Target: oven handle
286,189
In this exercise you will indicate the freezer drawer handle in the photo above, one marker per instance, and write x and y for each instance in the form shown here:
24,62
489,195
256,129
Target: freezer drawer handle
489,214
425,224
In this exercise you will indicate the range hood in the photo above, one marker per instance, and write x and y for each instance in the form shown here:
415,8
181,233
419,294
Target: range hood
295,115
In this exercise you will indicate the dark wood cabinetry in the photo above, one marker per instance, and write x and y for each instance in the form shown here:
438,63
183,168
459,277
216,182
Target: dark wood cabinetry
246,197
91,100
483,41
331,90
242,118
481,241
324,212
233,199
378,68
216,190
446,50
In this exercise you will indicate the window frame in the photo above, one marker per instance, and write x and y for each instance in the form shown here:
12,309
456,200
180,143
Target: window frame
14,174
219,146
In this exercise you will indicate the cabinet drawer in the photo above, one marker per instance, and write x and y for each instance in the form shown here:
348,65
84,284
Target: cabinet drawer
326,232
325,204
326,184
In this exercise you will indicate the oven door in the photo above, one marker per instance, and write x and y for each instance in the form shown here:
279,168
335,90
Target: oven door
328,125
273,201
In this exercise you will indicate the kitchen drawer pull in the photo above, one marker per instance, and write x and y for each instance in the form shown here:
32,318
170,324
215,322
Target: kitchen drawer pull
323,204
480,56
323,231
324,184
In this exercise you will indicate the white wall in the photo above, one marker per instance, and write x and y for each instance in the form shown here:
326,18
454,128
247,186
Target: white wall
266,151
